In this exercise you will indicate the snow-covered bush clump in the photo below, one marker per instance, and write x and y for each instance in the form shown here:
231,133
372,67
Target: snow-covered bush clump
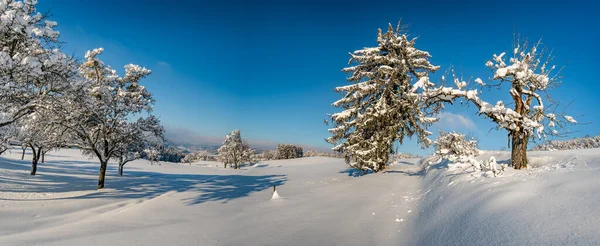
454,146
397,158
312,153
198,156
576,143
460,153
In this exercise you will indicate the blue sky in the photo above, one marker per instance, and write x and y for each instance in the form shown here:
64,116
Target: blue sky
269,67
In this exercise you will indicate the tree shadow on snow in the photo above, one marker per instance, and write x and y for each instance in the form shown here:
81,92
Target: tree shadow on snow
73,176
420,172
353,172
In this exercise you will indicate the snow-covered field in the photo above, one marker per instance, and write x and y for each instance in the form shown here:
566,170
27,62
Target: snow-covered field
322,203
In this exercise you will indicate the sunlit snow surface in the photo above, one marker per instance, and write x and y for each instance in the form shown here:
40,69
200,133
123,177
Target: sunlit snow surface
321,203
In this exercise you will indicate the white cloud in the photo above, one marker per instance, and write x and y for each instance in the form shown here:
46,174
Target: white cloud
163,64
451,121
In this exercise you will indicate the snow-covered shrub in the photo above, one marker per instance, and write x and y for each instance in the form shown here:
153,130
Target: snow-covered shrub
460,153
453,146
268,155
312,153
198,156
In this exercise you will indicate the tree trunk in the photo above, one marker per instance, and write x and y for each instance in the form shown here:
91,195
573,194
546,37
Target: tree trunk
23,155
224,165
519,150
235,166
103,165
33,166
43,155
35,159
121,165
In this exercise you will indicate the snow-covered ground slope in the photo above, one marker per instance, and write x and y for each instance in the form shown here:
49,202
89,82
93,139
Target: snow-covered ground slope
554,202
321,203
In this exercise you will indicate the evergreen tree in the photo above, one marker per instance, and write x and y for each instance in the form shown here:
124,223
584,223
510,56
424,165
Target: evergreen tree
383,104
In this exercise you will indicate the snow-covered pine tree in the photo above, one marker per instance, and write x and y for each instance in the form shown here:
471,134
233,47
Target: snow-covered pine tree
235,151
382,105
33,69
529,76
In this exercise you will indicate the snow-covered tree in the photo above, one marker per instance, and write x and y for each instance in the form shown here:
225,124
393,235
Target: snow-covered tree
33,70
382,104
268,155
4,140
288,151
36,133
6,134
528,75
144,134
235,151
99,108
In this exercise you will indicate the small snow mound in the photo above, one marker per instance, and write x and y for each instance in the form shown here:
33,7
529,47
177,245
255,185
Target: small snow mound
275,195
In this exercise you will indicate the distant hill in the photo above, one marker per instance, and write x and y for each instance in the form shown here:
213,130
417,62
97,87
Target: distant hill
190,141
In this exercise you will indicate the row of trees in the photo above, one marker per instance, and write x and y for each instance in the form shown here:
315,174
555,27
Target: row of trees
586,142
391,97
50,100
198,156
283,151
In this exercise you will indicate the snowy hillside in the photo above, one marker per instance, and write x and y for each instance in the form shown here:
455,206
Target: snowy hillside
321,203
554,202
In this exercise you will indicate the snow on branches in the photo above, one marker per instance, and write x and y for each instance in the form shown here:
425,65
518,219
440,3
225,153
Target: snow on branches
382,104
529,75
33,71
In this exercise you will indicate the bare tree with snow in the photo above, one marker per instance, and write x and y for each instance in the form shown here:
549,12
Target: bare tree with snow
529,75
144,134
99,109
35,132
235,151
382,104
